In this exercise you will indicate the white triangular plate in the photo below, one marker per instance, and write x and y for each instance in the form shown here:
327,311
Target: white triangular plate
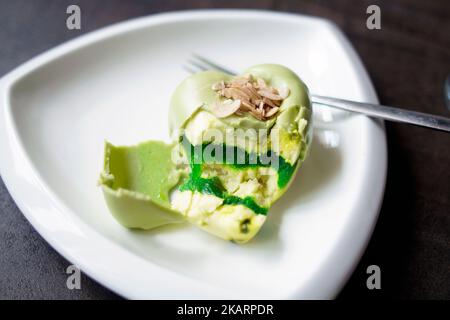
115,84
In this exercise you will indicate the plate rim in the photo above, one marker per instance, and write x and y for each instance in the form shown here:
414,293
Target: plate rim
34,189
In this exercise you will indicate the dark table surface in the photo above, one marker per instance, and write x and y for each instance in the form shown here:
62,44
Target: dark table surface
408,61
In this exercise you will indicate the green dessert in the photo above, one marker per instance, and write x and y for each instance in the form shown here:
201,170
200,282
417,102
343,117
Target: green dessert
238,142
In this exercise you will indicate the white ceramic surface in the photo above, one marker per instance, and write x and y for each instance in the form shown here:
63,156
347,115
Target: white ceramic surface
115,84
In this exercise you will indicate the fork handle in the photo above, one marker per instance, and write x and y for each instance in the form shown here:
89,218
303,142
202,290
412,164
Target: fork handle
386,113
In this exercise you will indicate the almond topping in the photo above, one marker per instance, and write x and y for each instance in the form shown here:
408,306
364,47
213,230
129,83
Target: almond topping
271,112
248,94
270,95
218,86
226,108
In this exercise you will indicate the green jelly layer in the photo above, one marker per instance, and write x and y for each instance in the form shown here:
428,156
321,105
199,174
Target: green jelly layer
219,154
249,202
241,159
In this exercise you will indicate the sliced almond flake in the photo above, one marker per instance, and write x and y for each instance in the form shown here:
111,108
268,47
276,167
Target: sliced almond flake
226,108
249,93
222,92
248,76
283,92
239,81
269,102
247,105
261,83
243,93
254,93
218,86
261,105
272,96
235,85
256,114
234,93
226,93
251,86
271,112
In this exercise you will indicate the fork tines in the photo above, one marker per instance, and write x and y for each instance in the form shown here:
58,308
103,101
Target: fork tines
197,63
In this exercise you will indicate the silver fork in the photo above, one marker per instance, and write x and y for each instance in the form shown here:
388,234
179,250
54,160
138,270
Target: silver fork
199,63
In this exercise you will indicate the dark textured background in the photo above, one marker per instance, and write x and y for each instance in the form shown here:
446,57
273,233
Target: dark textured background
408,60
